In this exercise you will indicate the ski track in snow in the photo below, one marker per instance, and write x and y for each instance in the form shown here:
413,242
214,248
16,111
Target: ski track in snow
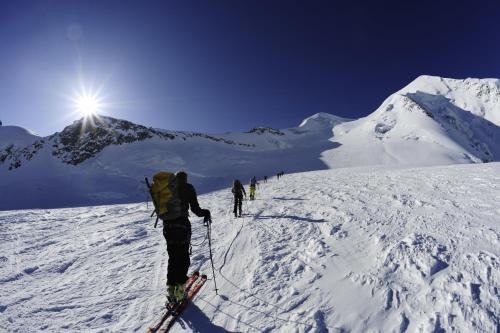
347,250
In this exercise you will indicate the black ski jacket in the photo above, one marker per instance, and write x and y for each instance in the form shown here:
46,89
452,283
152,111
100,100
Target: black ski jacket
187,194
238,191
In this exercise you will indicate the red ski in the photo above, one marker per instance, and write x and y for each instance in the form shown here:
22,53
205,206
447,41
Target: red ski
168,312
177,311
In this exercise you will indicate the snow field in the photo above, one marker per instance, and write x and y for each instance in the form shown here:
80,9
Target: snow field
347,250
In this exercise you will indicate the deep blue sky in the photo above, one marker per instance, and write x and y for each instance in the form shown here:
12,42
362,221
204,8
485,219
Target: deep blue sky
218,66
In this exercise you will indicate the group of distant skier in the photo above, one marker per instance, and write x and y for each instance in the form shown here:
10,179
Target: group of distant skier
238,191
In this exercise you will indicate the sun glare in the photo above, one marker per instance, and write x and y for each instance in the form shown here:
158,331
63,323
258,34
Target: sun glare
88,105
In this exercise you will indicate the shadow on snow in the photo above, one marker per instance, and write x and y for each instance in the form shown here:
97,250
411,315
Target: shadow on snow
283,198
291,217
199,322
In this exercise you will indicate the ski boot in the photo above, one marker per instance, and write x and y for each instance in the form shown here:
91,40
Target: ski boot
175,296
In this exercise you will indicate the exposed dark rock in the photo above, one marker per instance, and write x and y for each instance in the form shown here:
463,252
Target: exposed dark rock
263,130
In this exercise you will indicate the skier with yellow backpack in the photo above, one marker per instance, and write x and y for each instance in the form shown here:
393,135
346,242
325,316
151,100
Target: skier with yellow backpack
172,197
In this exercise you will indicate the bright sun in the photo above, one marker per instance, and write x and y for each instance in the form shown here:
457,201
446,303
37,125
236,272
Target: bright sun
87,104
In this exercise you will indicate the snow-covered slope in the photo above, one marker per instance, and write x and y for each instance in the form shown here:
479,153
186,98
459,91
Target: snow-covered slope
348,250
481,97
16,136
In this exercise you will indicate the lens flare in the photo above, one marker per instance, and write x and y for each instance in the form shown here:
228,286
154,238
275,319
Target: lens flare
88,104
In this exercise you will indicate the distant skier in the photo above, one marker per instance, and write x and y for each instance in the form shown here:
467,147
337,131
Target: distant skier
238,191
177,233
253,187
265,179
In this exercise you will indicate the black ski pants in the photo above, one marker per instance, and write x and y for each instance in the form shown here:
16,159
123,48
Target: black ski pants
177,233
238,201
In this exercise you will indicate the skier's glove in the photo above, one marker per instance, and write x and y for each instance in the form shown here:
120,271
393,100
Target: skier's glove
207,217
207,221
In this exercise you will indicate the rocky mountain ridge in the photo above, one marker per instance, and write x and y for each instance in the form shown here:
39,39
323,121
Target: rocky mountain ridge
87,137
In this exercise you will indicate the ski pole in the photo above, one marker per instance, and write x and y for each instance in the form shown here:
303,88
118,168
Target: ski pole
208,222
154,202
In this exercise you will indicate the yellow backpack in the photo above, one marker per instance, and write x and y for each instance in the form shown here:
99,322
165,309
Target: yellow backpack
165,195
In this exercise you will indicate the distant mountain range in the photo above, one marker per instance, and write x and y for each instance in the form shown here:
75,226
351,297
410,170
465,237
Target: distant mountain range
102,160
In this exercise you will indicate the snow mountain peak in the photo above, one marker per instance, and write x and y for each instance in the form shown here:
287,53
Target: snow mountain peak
90,135
442,84
431,121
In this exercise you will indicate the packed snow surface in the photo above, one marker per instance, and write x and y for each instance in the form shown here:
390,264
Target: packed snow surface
347,250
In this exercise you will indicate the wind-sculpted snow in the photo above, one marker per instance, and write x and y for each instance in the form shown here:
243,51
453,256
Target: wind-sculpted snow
347,250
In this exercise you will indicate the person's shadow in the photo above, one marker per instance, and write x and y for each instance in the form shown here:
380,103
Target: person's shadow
199,322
